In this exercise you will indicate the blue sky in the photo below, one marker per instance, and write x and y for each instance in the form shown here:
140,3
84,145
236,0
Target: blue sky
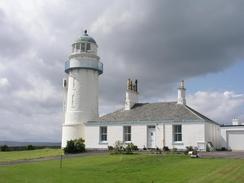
231,79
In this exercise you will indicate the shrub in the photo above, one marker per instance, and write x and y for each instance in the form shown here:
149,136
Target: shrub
118,147
130,148
121,148
158,151
174,149
110,148
75,146
165,148
134,147
223,149
30,147
80,145
188,148
4,148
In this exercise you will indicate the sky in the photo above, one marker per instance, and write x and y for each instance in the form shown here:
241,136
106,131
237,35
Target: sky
158,42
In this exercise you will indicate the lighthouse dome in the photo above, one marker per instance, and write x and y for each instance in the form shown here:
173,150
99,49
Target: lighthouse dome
84,45
86,38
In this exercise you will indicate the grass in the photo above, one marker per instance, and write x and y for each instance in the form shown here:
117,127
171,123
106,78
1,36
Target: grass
31,154
139,168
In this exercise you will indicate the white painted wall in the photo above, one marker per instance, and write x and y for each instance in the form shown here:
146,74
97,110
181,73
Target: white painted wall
212,134
82,102
115,133
227,130
131,98
193,134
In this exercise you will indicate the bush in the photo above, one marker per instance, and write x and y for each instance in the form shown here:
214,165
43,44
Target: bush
118,147
188,148
130,148
4,148
110,148
223,149
165,148
174,149
75,146
121,148
158,151
30,147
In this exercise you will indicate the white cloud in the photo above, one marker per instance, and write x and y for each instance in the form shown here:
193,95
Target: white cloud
219,106
4,82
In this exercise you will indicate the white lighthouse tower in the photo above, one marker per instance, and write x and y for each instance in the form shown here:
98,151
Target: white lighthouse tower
81,88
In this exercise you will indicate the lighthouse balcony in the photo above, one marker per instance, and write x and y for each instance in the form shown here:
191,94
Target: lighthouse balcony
84,64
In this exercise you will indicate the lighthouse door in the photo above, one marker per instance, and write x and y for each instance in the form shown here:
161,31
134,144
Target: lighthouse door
151,137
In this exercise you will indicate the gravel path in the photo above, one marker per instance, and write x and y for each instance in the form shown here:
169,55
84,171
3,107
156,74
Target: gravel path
223,154
16,162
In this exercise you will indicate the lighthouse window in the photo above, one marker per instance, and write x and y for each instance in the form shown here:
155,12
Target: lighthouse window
77,46
82,47
88,46
103,134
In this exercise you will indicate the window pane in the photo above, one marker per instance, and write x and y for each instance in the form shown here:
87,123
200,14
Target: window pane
129,137
82,47
88,46
78,46
129,129
127,133
177,133
103,133
179,137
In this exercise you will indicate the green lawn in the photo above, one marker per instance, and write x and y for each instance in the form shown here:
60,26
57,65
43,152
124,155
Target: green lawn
20,155
127,168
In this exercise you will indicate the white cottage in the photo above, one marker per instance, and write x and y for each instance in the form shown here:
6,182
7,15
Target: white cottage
150,125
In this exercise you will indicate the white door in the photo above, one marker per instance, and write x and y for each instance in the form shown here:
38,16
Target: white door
151,137
236,140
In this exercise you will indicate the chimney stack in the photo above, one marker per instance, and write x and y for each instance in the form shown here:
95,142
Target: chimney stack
181,93
132,94
235,121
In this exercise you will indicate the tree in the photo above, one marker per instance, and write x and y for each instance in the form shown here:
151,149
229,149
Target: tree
4,148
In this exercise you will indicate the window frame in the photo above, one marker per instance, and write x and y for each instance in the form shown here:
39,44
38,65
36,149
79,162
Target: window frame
127,134
102,133
83,47
88,46
177,134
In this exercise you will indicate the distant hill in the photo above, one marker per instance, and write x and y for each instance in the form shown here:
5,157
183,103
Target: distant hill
16,143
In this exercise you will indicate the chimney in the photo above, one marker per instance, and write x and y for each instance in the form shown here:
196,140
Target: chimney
132,94
181,94
235,121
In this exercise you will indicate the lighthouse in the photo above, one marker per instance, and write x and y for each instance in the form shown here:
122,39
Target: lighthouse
80,88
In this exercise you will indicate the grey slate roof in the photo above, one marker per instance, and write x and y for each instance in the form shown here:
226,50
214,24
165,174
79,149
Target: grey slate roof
155,112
